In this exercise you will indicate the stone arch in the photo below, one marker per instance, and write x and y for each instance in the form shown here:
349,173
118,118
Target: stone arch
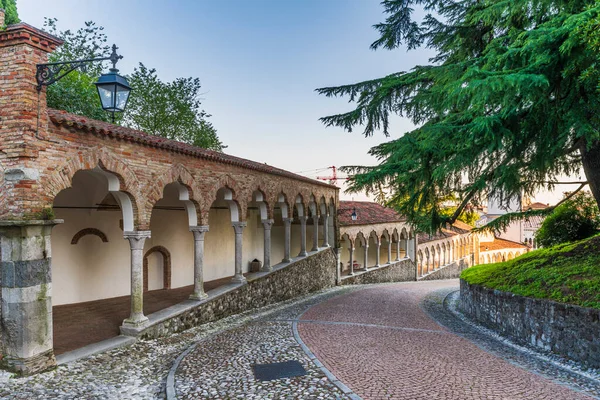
89,231
189,194
264,208
166,266
122,183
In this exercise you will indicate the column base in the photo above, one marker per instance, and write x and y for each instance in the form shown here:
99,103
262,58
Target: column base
377,266
314,249
198,296
136,322
286,260
239,279
302,254
31,365
266,269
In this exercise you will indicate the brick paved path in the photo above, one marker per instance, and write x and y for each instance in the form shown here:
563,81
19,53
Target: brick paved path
382,344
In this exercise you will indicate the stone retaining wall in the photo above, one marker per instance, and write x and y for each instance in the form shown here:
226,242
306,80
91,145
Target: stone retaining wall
401,271
567,330
311,274
450,271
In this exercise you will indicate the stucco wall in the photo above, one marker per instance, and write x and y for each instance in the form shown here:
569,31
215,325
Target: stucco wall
401,271
92,269
568,330
308,275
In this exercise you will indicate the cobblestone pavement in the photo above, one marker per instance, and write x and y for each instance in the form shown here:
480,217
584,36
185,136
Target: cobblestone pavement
383,343
139,371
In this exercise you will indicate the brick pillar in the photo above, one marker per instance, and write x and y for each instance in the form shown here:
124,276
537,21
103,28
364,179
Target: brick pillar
26,285
23,132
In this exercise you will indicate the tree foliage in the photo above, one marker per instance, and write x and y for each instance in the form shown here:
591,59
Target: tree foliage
11,16
507,104
576,219
168,109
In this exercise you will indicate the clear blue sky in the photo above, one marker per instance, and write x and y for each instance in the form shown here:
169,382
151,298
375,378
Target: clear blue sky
259,62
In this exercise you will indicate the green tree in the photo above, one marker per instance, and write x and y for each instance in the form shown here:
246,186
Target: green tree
11,16
508,104
168,109
577,218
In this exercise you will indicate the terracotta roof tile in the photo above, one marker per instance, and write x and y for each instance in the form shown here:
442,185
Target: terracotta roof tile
500,244
367,212
81,123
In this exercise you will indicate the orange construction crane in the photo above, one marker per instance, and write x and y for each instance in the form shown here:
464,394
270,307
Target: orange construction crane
333,178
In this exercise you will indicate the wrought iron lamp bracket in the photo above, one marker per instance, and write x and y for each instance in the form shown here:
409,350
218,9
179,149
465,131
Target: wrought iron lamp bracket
47,74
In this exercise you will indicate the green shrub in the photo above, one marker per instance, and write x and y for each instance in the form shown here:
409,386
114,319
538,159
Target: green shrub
567,273
576,219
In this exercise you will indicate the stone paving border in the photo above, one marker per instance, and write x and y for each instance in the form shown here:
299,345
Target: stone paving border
257,315
345,389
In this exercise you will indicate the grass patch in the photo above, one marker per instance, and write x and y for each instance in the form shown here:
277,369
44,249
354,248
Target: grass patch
567,273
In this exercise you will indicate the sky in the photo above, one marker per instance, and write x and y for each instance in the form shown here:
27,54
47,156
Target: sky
259,62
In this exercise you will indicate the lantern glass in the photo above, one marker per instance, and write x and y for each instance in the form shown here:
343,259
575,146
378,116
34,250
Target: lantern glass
113,90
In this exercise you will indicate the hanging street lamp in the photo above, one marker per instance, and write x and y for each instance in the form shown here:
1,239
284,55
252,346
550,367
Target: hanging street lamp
113,89
354,215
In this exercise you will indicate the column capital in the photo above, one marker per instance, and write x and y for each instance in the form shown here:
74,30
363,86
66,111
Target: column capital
137,238
267,223
303,219
288,220
199,228
238,226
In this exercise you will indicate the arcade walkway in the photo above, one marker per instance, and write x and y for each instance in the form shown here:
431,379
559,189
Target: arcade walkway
80,324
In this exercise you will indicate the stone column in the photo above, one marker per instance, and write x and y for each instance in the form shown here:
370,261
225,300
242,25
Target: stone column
338,266
389,251
198,232
351,250
325,231
303,252
267,224
287,223
26,284
366,256
137,319
315,233
238,227
398,249
378,253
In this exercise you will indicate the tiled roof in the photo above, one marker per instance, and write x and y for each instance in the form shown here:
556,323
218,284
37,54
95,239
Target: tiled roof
536,206
458,228
534,222
115,131
500,244
367,213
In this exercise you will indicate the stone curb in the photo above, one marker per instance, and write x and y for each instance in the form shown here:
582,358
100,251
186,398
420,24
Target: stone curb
345,389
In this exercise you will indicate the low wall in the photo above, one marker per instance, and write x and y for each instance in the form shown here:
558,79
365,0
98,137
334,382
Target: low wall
450,271
304,276
401,271
567,330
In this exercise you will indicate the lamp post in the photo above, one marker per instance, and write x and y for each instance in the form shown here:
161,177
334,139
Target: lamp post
113,89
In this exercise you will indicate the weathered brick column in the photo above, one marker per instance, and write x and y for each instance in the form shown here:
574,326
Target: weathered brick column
26,313
23,120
